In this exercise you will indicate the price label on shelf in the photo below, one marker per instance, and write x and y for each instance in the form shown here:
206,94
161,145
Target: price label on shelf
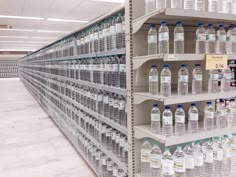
216,62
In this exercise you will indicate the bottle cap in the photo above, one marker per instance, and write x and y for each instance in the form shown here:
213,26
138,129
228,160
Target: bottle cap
207,139
200,24
193,104
210,25
187,144
155,143
179,147
165,66
167,149
163,22
154,66
167,107
216,138
152,25
234,134
155,105
146,139
197,142
209,103
225,136
179,23
180,106
183,65
221,25
197,65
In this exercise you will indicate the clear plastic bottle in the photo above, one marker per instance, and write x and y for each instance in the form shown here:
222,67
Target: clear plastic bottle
155,161
113,33
213,85
122,72
200,5
213,5
233,7
200,38
108,138
227,155
115,71
116,104
229,40
183,80
226,6
197,79
150,6
156,119
233,145
165,81
226,81
221,40
167,122
101,37
163,38
233,37
198,159
232,107
209,122
176,4
193,117
179,121
167,164
209,158
122,115
111,108
188,4
189,160
146,149
152,40
179,38
218,157
153,80
119,31
179,162
210,39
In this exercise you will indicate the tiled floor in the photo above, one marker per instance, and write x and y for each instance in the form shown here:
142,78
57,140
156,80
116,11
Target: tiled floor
30,143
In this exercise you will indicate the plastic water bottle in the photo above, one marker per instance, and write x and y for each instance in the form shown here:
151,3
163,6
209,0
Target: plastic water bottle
176,4
160,4
221,40
209,116
229,40
155,161
233,37
209,158
156,119
150,6
226,81
188,4
96,39
233,7
101,37
116,104
197,79
200,5
218,157
189,160
179,38
122,72
232,107
119,31
198,159
167,122
153,80
146,149
122,114
227,6
179,121
213,5
166,81
152,40
115,71
113,33
193,117
210,39
227,155
163,38
167,164
213,85
221,119
179,162
200,38
233,145
183,80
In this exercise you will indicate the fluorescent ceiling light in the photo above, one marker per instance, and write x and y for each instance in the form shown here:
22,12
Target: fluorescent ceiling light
48,31
30,42
26,49
65,20
44,38
9,29
111,1
22,17
14,37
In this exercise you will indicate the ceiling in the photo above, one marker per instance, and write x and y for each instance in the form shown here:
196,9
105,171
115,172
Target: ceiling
32,38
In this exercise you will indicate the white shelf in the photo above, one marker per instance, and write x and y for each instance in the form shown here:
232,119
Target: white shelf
140,97
189,17
142,131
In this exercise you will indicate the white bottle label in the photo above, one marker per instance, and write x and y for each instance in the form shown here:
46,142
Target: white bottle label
112,30
116,104
209,115
193,116
167,167
122,68
218,155
233,38
96,36
115,68
113,137
197,77
118,27
117,138
152,39
104,162
145,156
122,105
165,79
209,158
179,119
198,161
211,37
179,36
164,36
222,38
201,37
227,153
115,172
153,78
167,120
183,78
155,117
189,163
228,76
106,100
155,161
179,165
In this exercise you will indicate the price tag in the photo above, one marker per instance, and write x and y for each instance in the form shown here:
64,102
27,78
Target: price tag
216,62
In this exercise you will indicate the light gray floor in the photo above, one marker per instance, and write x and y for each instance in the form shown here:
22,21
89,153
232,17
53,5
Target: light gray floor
30,143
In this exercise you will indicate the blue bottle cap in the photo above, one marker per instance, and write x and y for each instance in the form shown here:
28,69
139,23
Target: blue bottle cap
210,25
165,66
200,24
179,23
163,22
154,66
167,107
152,25
197,65
221,25
193,104
155,105
183,65
180,106
209,103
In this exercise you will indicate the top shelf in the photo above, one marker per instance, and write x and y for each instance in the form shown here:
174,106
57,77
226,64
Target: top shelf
188,16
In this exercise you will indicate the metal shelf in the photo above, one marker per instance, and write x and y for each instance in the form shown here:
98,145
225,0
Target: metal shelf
142,131
190,17
140,97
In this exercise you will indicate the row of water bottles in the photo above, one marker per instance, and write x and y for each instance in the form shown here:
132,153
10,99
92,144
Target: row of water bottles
225,6
167,123
208,40
212,158
104,165
217,81
104,36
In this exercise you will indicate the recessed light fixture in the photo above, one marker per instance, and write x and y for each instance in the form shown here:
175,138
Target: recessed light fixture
21,17
30,42
48,31
23,49
44,38
13,29
65,20
111,1
23,37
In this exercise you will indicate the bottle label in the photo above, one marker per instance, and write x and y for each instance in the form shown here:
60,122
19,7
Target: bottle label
155,161
104,162
209,114
116,104
122,142
193,116
197,77
198,160
179,36
152,39
145,155
115,172
110,101
113,137
167,120
106,100
183,78
115,68
167,167
165,79
164,36
126,148
122,68
211,37
108,132
155,117
112,30
153,78
179,166
122,105
233,38
214,76
221,38
209,158
123,26
96,36
218,155
233,147
117,138
189,163
119,28
201,37
227,153
179,119
228,76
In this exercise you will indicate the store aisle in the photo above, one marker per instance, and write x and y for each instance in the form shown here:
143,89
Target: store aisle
30,143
